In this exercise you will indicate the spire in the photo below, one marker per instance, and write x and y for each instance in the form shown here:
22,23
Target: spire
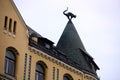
70,39
71,45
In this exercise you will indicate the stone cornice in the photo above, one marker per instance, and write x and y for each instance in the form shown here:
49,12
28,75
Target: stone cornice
54,60
60,63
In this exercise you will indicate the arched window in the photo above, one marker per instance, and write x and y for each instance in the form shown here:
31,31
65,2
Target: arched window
10,63
40,72
67,77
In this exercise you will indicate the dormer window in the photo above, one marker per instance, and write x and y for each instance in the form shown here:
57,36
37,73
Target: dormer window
35,39
47,46
45,42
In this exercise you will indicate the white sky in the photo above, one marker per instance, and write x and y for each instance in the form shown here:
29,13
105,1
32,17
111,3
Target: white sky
97,22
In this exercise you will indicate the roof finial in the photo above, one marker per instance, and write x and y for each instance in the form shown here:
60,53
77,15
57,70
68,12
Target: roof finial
69,14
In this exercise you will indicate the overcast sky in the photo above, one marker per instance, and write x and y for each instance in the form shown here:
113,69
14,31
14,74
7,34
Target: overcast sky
97,22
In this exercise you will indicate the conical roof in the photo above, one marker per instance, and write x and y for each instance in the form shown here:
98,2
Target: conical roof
70,39
71,45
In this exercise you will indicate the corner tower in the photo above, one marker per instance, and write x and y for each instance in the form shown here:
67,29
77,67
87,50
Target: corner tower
71,45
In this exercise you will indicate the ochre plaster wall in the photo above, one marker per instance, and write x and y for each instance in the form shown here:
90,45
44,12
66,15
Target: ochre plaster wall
20,43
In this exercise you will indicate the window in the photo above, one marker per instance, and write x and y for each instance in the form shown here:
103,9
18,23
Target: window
67,77
35,39
10,25
5,23
14,27
40,72
47,46
9,63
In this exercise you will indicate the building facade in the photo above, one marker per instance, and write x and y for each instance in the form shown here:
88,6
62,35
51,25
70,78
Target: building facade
26,55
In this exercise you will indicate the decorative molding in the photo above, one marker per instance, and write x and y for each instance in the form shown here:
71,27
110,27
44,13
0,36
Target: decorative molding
29,67
54,60
60,63
5,31
13,35
9,33
89,77
57,74
53,73
25,65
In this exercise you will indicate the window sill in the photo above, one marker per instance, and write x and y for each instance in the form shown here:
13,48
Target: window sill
9,33
6,76
14,35
5,31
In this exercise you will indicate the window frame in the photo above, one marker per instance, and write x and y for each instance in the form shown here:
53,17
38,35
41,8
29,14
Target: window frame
39,73
67,76
10,25
5,23
14,27
10,64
